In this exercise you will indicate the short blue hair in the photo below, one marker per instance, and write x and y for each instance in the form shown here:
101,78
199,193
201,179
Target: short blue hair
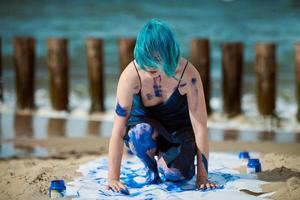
157,48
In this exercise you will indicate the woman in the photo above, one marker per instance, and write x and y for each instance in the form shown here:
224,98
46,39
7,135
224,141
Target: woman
160,111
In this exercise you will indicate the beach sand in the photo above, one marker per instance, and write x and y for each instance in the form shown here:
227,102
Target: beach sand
29,178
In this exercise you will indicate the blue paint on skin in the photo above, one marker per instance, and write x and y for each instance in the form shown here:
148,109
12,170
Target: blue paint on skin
122,112
149,96
141,139
204,162
157,86
170,175
182,85
194,80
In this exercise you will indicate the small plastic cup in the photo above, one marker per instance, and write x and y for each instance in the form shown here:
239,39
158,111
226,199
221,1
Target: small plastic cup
253,166
57,189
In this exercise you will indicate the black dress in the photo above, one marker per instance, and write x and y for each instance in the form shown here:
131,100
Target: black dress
171,120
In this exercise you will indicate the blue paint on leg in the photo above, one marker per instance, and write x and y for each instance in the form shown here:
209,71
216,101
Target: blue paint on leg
143,143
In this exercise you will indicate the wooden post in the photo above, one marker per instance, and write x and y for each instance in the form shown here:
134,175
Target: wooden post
1,79
56,127
23,126
58,64
231,134
95,72
94,128
24,63
297,67
200,57
126,48
265,69
232,70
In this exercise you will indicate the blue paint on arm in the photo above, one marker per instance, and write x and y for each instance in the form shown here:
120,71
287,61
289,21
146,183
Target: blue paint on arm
194,80
122,112
204,161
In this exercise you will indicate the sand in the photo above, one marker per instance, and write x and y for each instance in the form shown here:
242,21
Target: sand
29,178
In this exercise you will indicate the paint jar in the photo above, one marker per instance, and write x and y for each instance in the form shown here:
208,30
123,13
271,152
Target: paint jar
244,156
57,189
253,166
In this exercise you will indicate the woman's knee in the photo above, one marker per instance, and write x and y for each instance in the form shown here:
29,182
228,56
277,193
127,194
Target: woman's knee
175,172
142,137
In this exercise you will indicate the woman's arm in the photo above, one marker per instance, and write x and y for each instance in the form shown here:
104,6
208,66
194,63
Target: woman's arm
127,86
198,116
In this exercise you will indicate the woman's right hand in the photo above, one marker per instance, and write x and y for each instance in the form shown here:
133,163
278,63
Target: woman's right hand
116,186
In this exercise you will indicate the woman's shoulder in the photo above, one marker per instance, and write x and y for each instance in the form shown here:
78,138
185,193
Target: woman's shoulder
190,70
130,77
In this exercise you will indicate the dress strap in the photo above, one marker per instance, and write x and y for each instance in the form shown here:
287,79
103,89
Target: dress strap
138,75
187,62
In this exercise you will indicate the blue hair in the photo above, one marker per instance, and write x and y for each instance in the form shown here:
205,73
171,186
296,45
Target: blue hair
156,48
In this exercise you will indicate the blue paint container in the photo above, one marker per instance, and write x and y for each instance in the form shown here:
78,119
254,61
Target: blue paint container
253,166
244,155
57,189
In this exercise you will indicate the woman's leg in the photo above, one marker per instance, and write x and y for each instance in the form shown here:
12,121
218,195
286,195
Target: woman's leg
143,144
182,167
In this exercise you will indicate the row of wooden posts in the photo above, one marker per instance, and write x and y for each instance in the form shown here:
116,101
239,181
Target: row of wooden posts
232,72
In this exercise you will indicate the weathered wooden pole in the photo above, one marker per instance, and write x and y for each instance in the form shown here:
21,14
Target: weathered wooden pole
200,57
95,64
58,66
56,127
231,134
265,69
23,126
24,64
94,128
1,78
232,70
297,67
126,48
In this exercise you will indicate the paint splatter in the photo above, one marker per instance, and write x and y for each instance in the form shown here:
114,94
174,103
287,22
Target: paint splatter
142,144
93,185
149,96
194,80
195,93
157,86
120,111
182,84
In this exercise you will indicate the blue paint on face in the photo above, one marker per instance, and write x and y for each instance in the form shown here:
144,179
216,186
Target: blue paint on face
122,112
194,80
157,86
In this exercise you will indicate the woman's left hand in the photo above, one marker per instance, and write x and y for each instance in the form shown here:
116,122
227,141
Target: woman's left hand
203,183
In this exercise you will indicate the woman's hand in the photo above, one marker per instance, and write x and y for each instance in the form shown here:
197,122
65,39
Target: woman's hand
116,186
203,183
